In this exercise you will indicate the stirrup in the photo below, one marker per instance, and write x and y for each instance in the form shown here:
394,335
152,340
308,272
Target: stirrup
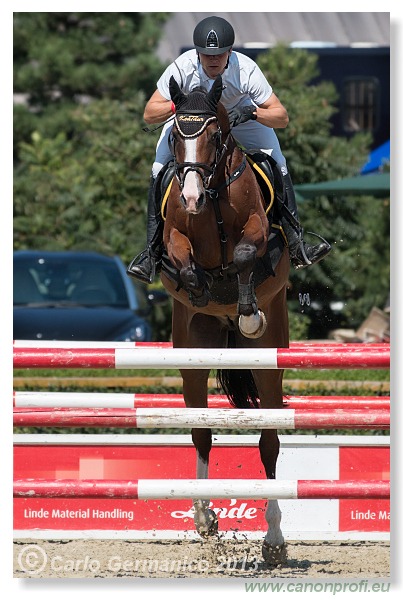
300,262
143,266
320,237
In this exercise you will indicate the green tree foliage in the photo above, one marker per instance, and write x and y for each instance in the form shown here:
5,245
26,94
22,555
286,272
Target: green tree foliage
63,59
82,159
86,192
357,270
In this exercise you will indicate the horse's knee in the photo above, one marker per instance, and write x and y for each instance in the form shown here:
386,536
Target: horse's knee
244,256
195,283
190,278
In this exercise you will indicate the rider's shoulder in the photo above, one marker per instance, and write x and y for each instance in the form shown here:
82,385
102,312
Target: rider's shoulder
241,60
187,59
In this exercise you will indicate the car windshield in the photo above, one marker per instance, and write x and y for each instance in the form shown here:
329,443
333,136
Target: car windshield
68,281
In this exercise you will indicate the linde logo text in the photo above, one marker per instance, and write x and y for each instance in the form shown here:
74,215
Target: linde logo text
234,511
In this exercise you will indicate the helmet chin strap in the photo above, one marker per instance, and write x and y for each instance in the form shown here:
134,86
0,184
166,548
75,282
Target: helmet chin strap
226,66
229,54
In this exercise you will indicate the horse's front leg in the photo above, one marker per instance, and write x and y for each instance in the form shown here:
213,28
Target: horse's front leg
252,322
192,276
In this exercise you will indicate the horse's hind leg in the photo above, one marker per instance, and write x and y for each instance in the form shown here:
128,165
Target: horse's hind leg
198,331
195,387
205,519
274,548
270,386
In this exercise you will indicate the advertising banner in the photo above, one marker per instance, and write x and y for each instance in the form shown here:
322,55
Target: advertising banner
137,457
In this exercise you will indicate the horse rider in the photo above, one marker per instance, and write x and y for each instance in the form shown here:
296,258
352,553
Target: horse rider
253,109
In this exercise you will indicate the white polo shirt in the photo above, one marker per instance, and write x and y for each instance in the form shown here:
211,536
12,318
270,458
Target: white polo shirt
243,81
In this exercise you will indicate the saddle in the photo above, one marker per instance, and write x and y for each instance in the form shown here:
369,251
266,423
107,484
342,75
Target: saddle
270,182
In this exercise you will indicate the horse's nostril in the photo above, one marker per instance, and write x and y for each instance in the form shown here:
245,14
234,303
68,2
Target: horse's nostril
200,201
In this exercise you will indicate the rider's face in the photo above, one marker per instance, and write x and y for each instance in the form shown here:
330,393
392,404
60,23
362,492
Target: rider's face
214,64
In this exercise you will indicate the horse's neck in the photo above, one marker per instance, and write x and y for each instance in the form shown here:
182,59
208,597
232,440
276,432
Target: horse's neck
235,154
232,159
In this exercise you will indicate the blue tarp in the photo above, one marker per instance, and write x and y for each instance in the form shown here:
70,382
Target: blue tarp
377,159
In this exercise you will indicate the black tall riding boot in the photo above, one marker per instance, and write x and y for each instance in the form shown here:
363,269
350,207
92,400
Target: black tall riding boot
301,254
147,263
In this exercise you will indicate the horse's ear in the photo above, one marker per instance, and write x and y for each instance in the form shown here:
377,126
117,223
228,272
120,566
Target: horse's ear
216,90
176,93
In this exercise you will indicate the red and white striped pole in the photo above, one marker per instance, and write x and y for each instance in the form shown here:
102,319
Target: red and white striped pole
166,489
307,357
43,399
219,418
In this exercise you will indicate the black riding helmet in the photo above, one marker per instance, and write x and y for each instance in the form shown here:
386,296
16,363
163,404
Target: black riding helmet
213,35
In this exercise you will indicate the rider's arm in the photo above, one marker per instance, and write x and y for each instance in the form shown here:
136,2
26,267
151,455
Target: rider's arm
272,113
158,109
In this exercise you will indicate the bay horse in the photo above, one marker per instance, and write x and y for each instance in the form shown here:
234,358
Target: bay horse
216,230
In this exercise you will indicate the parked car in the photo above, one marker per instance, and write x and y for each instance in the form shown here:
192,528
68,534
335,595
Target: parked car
79,296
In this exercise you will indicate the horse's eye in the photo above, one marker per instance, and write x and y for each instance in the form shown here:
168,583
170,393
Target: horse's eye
214,136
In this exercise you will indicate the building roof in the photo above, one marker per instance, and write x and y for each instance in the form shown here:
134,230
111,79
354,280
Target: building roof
295,28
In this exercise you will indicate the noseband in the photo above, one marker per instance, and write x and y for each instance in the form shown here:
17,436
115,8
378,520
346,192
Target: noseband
190,125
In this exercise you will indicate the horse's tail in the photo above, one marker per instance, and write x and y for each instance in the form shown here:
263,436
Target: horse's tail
238,384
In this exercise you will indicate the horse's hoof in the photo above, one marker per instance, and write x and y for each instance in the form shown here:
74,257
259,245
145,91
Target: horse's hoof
274,556
210,527
253,326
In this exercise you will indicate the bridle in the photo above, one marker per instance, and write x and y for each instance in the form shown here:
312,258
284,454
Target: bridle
191,119
205,171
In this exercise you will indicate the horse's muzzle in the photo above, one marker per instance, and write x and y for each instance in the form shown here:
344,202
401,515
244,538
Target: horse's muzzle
193,205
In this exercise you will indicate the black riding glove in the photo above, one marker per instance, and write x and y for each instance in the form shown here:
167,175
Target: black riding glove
241,114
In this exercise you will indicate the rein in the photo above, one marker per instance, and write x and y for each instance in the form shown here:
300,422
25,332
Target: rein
214,193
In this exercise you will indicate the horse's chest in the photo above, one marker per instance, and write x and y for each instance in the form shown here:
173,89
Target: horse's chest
207,238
